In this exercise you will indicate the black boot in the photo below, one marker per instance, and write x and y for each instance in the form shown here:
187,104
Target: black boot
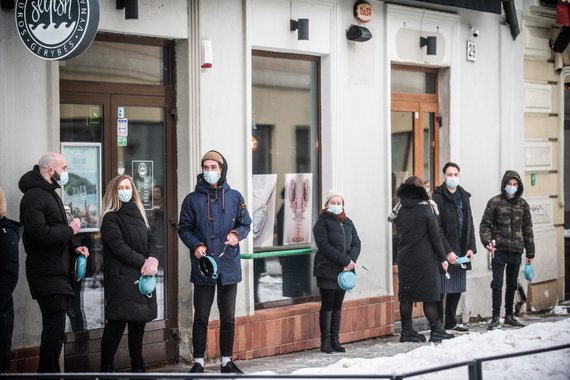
335,330
325,325
408,333
438,333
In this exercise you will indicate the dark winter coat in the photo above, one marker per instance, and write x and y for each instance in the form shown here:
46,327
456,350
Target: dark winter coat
508,220
448,221
207,216
48,239
338,243
10,233
127,242
420,249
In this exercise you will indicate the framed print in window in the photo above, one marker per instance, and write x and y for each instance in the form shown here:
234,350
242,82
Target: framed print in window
82,194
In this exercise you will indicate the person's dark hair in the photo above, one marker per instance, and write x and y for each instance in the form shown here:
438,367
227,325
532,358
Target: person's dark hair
414,181
452,164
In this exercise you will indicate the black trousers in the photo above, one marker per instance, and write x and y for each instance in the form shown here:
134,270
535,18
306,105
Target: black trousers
331,299
509,263
6,329
203,299
450,300
112,335
53,308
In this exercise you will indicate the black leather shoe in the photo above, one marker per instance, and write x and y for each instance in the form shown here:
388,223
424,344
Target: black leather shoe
511,320
437,335
197,368
494,323
231,367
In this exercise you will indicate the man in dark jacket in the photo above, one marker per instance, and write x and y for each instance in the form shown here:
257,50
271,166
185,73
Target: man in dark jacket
506,231
50,251
213,220
458,237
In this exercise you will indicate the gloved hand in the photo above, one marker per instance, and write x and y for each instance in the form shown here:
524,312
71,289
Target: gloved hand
150,267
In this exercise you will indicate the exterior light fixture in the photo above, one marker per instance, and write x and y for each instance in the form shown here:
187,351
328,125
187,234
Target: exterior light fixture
301,26
131,8
431,43
358,33
7,4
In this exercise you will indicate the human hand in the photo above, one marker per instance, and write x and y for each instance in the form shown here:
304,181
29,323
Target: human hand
75,224
445,265
200,251
231,239
469,254
529,260
84,251
350,266
150,267
490,247
452,257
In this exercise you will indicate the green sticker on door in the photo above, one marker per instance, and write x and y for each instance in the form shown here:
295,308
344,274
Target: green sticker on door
121,140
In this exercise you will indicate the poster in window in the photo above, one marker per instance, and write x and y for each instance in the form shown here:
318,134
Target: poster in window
82,194
143,178
297,221
263,215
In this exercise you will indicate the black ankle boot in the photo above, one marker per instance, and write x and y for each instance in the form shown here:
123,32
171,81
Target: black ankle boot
408,333
438,333
137,366
335,330
325,325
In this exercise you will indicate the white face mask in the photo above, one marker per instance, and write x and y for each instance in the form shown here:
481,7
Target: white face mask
63,178
511,190
212,177
335,209
125,195
452,182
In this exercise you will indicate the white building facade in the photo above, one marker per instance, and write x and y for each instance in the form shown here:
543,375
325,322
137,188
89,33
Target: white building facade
294,118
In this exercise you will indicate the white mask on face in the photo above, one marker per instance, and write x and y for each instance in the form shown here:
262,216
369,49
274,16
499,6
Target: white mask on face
212,177
511,190
63,178
335,209
125,195
452,182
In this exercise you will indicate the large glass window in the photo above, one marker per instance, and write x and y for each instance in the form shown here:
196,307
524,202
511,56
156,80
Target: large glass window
285,160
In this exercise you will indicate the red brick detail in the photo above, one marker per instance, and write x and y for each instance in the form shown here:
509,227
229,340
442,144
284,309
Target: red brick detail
296,328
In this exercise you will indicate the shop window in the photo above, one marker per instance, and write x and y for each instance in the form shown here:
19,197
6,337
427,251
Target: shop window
286,177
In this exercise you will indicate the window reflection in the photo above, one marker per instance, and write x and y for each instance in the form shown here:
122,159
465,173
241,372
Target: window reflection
285,172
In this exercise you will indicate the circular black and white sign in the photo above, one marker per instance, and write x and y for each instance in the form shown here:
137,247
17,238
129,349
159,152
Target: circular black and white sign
57,29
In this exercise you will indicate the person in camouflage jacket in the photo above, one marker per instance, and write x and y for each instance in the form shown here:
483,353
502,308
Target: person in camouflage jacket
506,232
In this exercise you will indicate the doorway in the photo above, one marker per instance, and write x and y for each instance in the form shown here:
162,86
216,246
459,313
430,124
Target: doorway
107,129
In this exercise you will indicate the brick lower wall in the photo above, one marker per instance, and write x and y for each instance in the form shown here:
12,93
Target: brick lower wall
296,327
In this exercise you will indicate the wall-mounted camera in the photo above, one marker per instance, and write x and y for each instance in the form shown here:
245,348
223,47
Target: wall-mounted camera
475,32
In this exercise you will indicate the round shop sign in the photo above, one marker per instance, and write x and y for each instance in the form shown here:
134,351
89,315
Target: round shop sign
57,30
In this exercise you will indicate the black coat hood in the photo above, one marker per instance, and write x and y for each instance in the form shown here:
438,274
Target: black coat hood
33,178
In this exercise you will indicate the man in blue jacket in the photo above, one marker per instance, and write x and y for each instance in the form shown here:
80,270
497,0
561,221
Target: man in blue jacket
213,220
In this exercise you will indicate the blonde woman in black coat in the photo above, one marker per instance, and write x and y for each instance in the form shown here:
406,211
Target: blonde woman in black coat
420,257
338,249
129,250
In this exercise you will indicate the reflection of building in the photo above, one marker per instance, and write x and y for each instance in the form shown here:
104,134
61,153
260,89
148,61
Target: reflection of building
350,113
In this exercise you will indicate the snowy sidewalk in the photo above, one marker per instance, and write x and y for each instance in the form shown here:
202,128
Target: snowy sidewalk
387,355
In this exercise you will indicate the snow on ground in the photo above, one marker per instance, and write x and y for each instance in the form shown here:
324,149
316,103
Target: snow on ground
552,365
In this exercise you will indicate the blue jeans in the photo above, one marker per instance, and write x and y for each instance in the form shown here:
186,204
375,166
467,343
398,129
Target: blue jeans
509,262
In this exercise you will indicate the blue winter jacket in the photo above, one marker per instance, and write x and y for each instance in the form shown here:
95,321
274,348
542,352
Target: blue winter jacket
207,216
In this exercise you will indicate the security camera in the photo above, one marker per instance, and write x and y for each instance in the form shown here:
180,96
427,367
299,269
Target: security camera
475,32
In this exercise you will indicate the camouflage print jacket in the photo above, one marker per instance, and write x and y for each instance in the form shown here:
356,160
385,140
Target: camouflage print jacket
508,220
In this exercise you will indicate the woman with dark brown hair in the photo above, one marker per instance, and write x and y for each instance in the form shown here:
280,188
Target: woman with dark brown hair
420,257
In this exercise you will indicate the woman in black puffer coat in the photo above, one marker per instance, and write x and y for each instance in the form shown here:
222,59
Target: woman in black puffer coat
129,250
338,249
420,255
